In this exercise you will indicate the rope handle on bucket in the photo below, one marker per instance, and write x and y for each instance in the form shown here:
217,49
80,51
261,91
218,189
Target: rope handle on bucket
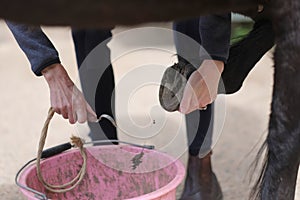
77,142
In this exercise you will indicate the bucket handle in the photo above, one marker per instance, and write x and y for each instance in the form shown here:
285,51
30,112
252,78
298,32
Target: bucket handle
37,194
77,142
59,149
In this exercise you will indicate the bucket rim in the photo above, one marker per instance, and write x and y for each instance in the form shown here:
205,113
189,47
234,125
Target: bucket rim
172,185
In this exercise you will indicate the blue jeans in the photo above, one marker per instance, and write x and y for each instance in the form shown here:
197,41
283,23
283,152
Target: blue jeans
85,41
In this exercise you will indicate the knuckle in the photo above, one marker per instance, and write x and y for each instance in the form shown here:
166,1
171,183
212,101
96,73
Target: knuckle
67,105
63,107
57,110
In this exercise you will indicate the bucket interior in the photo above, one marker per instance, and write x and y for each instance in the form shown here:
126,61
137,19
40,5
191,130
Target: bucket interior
109,174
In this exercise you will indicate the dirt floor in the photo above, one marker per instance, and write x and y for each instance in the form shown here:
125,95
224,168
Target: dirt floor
242,118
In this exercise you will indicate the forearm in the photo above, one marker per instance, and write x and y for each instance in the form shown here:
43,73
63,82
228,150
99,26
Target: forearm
35,44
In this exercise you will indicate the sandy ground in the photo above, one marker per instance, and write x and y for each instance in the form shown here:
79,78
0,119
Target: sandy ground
25,101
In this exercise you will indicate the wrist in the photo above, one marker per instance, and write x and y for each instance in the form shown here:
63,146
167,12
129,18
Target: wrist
220,65
211,63
56,73
51,71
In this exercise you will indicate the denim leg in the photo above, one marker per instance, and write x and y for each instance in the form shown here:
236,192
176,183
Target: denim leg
199,131
183,45
98,91
199,123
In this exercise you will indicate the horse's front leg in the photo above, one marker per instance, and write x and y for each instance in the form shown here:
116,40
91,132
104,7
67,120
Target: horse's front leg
283,142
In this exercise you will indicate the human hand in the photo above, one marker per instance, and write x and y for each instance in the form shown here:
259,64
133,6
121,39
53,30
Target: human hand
202,86
66,98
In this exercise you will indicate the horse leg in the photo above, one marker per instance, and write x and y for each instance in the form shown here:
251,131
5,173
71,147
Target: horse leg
279,175
281,167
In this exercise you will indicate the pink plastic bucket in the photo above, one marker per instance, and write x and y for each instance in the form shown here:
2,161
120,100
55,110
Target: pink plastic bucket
109,175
